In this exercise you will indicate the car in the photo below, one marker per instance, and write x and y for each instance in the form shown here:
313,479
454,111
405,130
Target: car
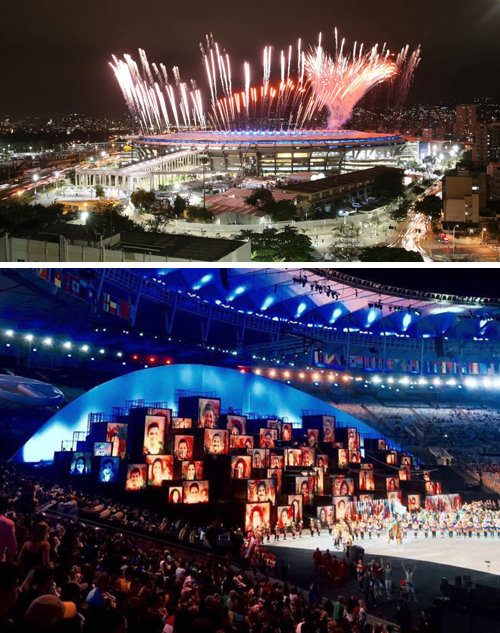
356,205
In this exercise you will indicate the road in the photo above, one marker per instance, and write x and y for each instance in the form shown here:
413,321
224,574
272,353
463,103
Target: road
411,233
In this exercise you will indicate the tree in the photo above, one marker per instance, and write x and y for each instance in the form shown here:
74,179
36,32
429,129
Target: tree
99,191
430,205
199,214
107,220
492,229
142,200
400,213
386,254
179,205
281,211
272,245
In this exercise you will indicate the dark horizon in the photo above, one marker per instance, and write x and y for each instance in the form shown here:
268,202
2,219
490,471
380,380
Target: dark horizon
55,55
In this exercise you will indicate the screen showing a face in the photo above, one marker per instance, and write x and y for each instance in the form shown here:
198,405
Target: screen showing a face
216,442
80,464
160,468
286,432
241,441
261,490
241,467
277,476
322,462
108,469
342,508
395,496
312,437
236,424
328,428
183,447
343,457
117,434
260,458
392,483
366,480
268,437
352,439
175,494
382,445
276,461
343,486
192,471
295,502
325,514
285,515
293,457
154,435
404,475
136,477
354,456
308,456
257,515
302,486
208,412
391,457
103,449
195,492
414,502
182,423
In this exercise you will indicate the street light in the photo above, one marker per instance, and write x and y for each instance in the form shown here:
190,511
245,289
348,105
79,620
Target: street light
455,227
35,179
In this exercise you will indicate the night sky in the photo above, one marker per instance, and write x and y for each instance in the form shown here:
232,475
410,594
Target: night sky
55,52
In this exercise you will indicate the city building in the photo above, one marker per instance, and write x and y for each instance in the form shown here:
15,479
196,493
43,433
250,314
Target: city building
486,148
464,198
493,176
465,122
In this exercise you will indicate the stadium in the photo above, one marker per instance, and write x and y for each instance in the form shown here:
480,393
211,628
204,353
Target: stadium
167,430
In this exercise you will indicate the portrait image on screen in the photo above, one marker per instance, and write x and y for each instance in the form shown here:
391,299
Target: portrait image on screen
391,458
391,484
404,474
80,464
195,492
354,456
236,424
312,438
241,441
261,490
343,486
154,435
241,467
308,456
322,462
365,497
257,515
296,503
293,457
277,476
165,413
192,470
175,494
395,495
216,441
108,469
343,457
328,428
285,515
366,480
319,480
267,438
276,461
182,423
342,507
286,432
183,447
275,424
103,449
137,477
208,412
405,460
116,433
414,502
432,488
426,474
160,469
382,445
352,439
326,514
302,487
260,457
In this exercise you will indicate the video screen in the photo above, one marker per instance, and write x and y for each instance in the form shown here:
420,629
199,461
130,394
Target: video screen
302,486
236,424
308,456
322,462
343,457
277,476
195,492
293,457
433,488
183,447
342,508
182,423
257,515
354,456
103,449
154,435
241,441
326,515
426,474
414,502
395,495
296,503
366,466
312,438
208,412
286,432
160,468
276,461
108,469
285,516
343,487
404,475
192,470
274,424
260,457
81,464
405,460
216,442
268,438
175,494
241,467
319,478
365,497
261,490
366,480
382,445
166,413
116,433
352,439
328,428
391,484
137,477
391,458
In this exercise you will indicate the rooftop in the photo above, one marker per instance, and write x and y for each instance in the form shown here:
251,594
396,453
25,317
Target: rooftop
338,180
